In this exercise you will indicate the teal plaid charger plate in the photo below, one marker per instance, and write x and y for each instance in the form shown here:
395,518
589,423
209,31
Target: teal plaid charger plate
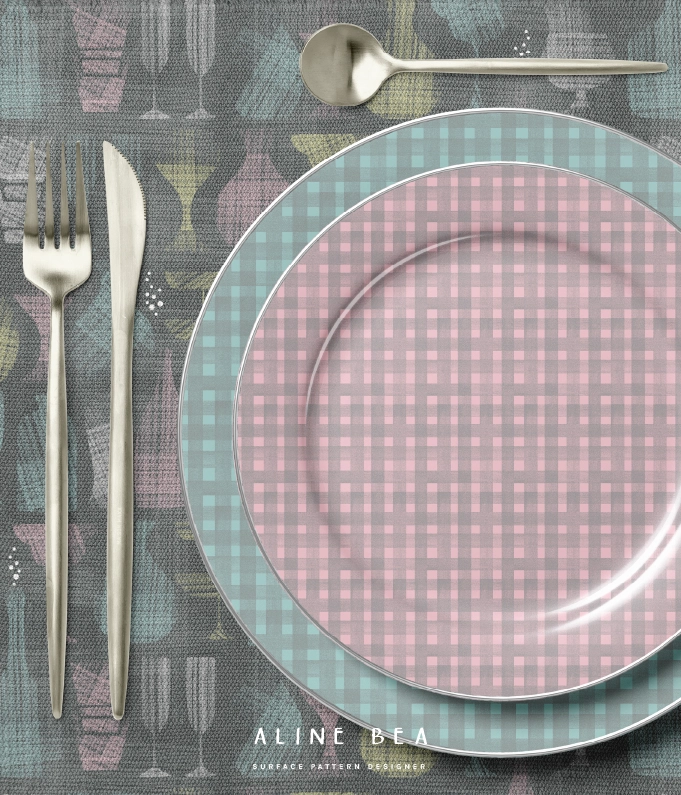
233,558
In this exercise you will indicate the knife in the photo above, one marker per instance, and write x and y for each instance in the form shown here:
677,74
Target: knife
126,213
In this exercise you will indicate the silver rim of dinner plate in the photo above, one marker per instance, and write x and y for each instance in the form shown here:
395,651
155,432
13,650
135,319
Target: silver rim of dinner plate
190,348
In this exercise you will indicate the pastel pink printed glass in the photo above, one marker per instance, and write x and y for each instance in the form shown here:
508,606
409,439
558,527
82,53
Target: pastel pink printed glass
457,425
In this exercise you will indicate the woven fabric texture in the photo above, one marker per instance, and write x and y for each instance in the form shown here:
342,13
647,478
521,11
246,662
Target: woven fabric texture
205,100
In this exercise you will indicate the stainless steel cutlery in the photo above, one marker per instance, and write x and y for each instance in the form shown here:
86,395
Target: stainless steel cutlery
126,215
56,270
344,64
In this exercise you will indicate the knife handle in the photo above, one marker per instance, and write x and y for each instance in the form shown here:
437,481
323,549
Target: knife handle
56,507
120,518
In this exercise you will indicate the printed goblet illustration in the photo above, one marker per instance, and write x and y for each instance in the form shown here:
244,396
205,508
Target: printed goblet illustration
155,705
570,36
578,45
201,703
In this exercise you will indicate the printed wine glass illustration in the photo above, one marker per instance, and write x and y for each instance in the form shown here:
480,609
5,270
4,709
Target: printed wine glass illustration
155,19
200,45
201,703
155,705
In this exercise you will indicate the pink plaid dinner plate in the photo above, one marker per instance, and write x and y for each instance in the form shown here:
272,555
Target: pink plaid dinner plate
456,430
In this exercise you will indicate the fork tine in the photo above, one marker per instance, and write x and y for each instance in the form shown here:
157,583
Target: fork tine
64,231
31,219
49,210
82,220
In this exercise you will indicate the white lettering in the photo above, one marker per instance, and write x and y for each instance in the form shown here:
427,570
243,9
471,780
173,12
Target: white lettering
395,740
260,736
318,737
421,737
278,740
376,738
336,734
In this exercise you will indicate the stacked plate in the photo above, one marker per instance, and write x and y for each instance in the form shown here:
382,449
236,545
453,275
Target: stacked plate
429,432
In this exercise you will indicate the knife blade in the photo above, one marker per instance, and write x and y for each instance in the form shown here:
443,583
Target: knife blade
126,214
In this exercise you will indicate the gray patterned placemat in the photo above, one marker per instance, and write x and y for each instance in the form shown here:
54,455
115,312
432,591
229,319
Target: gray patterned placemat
227,127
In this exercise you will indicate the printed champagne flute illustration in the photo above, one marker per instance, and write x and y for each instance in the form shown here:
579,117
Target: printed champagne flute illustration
201,703
200,45
155,17
155,705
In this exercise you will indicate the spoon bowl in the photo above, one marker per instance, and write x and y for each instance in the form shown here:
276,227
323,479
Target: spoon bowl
344,64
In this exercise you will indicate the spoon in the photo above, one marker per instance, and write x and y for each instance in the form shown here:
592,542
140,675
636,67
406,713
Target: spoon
345,65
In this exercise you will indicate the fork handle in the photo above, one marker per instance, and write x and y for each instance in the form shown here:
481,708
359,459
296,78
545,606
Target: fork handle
56,507
120,518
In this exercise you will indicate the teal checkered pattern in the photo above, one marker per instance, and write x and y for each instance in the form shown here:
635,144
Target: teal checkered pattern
232,555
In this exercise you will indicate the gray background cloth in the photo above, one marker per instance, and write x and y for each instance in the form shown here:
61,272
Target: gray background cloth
86,71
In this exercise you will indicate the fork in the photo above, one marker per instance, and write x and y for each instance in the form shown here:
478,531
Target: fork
56,271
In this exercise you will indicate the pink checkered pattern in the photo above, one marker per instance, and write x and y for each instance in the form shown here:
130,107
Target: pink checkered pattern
458,417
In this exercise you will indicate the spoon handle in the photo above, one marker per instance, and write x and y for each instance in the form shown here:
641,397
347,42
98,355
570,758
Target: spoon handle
529,66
